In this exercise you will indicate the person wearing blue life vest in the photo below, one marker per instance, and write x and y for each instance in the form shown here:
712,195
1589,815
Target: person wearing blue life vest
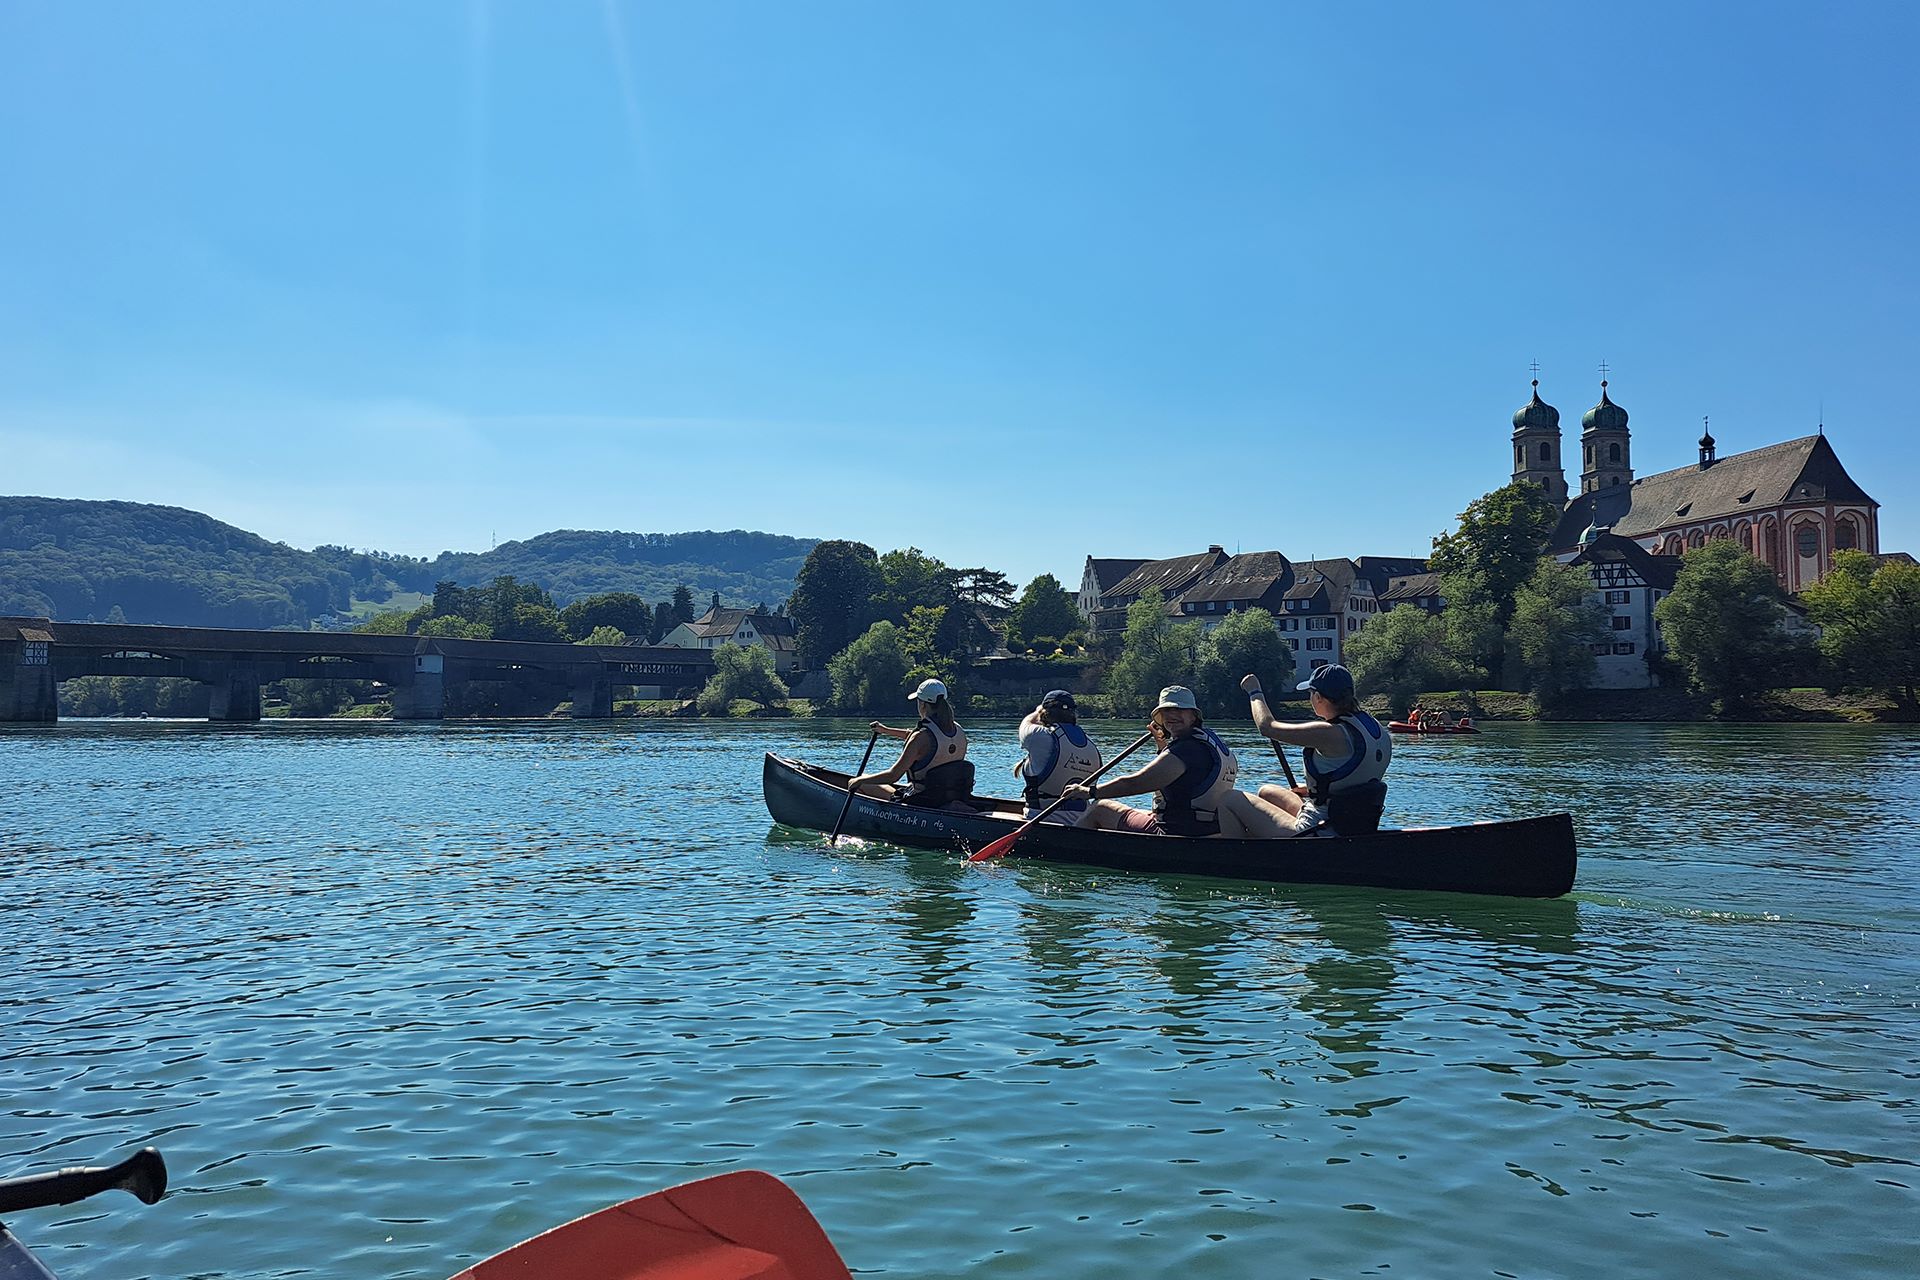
933,757
1346,752
1191,779
1055,753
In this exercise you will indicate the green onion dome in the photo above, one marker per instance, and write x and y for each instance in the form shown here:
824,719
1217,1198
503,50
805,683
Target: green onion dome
1536,414
1605,416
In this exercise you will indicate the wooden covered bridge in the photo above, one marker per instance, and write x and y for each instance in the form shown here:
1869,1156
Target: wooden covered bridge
37,654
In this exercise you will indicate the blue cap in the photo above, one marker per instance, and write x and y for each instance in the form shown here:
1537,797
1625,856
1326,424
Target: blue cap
1332,682
1059,698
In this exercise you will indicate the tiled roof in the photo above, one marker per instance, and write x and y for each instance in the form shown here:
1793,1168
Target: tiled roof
724,622
1803,470
1247,577
1167,576
1655,571
1340,572
1108,574
1412,587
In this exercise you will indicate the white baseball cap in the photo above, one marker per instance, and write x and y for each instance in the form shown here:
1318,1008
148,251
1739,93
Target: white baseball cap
929,691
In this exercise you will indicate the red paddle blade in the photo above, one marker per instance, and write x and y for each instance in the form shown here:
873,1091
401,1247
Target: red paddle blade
738,1226
998,848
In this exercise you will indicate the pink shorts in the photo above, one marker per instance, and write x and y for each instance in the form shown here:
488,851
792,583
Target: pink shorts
1142,820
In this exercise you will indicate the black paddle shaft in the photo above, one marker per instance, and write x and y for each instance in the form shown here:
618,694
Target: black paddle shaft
1285,766
143,1173
848,802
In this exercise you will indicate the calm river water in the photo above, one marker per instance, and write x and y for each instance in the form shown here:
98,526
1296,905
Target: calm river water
392,997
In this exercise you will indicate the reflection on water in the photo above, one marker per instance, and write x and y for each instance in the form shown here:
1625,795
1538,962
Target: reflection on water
392,997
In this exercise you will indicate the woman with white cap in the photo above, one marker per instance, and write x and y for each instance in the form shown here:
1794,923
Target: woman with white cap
1191,779
934,758
1346,752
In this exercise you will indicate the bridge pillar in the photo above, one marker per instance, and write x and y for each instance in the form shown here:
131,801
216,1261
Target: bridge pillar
592,696
423,694
28,692
235,693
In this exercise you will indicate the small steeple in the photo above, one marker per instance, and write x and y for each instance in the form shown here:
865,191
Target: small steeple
1706,445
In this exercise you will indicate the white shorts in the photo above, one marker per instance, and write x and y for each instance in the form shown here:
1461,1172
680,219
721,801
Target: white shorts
1066,815
1311,820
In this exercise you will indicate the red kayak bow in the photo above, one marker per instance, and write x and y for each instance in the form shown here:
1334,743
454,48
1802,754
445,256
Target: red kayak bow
737,1226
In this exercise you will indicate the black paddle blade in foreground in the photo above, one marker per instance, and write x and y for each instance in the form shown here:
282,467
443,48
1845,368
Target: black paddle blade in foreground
142,1174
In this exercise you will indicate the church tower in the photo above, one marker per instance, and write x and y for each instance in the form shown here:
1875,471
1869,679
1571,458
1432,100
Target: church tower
1606,452
1536,446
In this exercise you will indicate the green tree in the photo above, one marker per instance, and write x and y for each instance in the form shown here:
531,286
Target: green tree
832,598
1242,642
604,635
1869,620
1556,623
534,622
683,603
394,622
1155,652
1402,654
911,579
740,671
1484,561
621,610
870,674
1721,624
454,627
1045,612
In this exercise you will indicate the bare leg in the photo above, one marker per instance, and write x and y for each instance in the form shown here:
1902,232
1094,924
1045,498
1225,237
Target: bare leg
1285,799
1251,817
1105,815
878,790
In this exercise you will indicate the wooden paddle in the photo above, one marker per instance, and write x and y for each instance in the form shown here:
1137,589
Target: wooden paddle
1006,842
848,804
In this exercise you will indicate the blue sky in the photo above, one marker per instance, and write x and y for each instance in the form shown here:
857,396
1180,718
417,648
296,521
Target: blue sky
1014,283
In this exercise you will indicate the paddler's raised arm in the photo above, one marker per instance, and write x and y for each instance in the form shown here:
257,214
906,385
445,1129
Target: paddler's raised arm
1318,734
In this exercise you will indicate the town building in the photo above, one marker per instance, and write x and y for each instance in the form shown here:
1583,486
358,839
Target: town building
718,626
1791,504
1252,580
1328,602
1099,578
1166,579
1421,590
1629,580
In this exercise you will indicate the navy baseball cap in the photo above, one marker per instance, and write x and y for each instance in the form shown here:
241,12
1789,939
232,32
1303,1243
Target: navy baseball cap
1059,698
1332,682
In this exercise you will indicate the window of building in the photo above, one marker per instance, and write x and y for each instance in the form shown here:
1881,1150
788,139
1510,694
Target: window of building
1621,623
1845,536
1320,642
1624,649
1546,452
1589,455
1613,452
1619,597
1806,540
1293,645
1213,606
1519,456
1601,650
1353,624
1318,663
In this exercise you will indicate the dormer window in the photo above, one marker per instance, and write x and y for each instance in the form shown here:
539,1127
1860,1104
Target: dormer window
1746,497
1683,508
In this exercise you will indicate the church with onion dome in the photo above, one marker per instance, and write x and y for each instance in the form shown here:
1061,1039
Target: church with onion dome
1791,504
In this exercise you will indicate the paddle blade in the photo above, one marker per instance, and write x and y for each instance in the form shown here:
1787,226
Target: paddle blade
738,1226
998,848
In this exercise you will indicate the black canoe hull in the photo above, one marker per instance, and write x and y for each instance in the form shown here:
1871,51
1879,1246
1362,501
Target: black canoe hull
1524,858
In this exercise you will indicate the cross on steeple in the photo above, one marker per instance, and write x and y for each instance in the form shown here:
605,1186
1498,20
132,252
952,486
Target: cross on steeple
1536,368
1603,371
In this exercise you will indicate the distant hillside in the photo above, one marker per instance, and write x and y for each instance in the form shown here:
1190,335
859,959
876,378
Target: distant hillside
73,560
745,568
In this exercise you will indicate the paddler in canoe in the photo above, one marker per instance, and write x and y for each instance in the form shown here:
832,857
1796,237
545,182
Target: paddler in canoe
933,757
1191,780
1346,753
1055,753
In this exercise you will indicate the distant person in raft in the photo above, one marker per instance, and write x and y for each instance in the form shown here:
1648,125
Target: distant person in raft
1056,753
1346,752
934,759
1191,779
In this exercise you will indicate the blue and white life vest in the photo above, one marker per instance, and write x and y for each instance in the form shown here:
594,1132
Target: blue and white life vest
1190,805
1067,755
1369,752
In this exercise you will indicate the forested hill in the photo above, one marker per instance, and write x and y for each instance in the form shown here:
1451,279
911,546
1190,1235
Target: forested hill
745,568
72,559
